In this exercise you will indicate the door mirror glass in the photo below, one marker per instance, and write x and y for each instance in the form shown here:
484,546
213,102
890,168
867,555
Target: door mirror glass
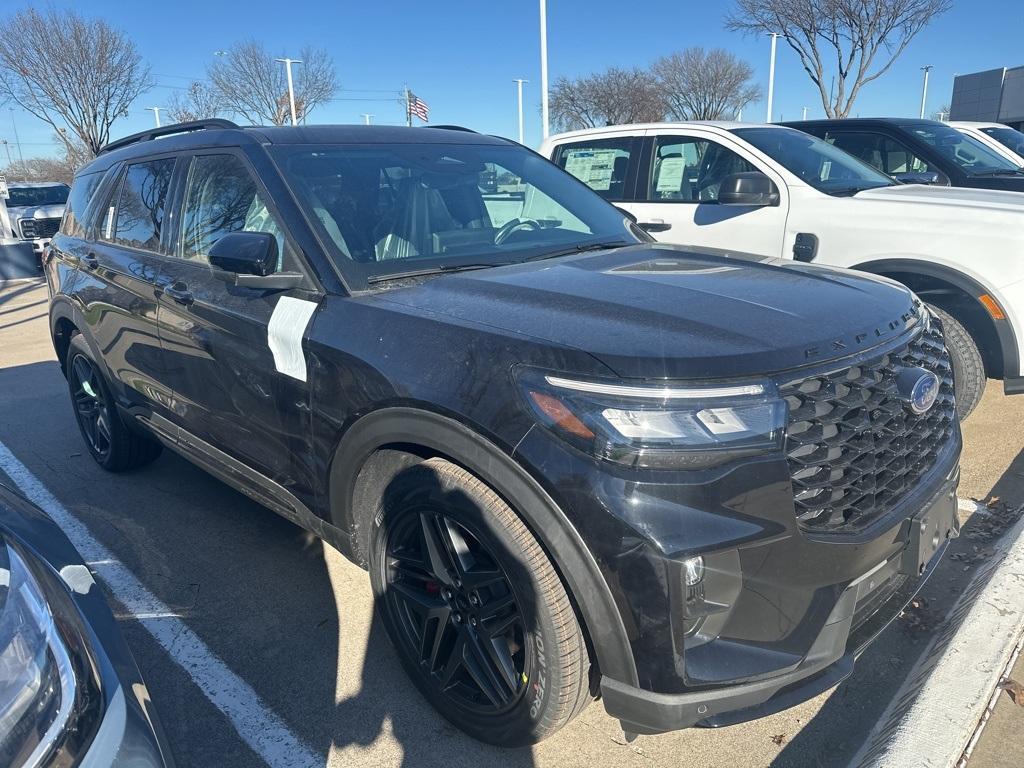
749,188
245,253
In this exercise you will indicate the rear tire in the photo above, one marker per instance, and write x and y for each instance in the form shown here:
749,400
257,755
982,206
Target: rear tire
450,563
113,446
968,367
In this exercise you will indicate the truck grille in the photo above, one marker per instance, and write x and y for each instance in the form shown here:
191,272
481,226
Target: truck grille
854,448
35,228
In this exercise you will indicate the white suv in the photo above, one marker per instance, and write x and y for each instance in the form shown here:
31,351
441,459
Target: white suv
775,191
1005,140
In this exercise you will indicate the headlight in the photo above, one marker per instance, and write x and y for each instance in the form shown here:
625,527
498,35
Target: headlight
658,427
37,680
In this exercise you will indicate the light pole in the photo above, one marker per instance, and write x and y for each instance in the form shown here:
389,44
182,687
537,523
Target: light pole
544,113
519,82
367,118
291,89
805,114
156,114
771,76
17,140
7,146
924,89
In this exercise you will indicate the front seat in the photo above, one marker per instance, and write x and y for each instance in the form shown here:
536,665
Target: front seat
419,212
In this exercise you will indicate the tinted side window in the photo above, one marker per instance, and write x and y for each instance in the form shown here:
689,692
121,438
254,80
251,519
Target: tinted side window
82,190
881,152
601,164
222,197
691,170
140,208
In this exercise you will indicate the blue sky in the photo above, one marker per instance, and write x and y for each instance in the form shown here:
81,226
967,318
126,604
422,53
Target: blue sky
461,56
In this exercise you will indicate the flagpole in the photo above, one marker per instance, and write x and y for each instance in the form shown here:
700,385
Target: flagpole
408,109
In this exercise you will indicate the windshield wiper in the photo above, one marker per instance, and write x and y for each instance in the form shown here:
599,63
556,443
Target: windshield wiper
577,249
999,172
433,271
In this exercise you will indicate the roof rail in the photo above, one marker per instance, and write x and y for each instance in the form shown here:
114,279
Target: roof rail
168,130
451,128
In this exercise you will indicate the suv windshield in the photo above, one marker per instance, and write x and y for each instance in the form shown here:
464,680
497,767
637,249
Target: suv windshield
393,209
973,157
818,163
1008,137
33,196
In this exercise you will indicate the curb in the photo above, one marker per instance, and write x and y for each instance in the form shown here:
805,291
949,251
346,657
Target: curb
936,712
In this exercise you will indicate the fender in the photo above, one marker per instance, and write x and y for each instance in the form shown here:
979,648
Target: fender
556,534
969,285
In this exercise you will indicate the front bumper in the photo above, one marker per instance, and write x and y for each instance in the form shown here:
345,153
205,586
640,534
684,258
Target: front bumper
864,609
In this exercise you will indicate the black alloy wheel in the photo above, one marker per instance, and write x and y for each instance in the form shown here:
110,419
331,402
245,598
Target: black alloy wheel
110,442
457,611
480,618
91,408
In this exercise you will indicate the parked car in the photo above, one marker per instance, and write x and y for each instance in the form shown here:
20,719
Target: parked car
35,210
1002,138
70,691
777,192
920,152
574,461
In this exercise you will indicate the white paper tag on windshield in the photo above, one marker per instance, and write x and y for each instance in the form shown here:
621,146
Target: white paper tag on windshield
284,335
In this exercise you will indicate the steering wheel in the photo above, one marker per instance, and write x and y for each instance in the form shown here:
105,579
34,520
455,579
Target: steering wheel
514,226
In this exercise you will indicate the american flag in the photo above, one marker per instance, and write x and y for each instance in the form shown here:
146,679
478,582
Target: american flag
418,107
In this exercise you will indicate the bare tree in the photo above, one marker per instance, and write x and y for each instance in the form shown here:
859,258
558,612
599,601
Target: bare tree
942,113
250,83
615,97
856,40
705,85
71,71
197,102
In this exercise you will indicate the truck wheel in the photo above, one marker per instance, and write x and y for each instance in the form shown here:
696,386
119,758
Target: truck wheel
110,442
477,613
968,368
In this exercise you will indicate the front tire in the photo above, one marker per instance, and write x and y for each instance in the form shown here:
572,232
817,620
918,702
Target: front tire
477,613
968,367
113,446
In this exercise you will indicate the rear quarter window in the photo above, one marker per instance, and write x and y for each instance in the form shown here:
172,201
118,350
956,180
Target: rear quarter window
83,188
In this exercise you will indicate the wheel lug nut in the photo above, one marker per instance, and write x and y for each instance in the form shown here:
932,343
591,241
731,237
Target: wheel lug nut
474,600
472,621
457,618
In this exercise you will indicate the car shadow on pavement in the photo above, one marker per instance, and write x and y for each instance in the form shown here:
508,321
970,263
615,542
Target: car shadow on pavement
283,611
852,712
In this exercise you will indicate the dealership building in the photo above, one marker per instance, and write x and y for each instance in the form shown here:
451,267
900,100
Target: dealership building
993,96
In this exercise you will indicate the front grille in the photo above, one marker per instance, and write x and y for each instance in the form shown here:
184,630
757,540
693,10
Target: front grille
35,228
854,448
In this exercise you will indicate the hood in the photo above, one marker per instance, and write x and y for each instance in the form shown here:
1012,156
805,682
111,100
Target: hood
36,211
971,197
658,311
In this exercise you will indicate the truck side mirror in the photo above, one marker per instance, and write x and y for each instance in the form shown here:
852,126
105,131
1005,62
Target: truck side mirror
749,188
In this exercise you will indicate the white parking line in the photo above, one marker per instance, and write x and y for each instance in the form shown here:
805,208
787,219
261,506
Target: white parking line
265,733
934,714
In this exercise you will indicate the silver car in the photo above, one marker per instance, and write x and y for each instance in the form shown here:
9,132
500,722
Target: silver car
35,210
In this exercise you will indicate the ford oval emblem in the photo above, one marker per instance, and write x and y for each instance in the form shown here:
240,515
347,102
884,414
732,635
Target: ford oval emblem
918,388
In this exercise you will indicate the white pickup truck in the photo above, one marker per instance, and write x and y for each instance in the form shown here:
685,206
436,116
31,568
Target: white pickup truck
778,192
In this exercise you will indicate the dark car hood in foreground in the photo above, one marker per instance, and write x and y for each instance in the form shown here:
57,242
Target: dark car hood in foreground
653,311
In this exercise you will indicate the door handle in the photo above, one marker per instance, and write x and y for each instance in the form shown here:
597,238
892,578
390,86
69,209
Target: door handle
180,293
654,225
90,261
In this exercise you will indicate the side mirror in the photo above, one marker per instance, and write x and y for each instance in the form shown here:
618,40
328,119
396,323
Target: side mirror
749,188
249,260
245,253
921,177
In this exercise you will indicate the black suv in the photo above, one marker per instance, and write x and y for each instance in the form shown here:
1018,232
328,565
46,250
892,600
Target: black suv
574,462
919,151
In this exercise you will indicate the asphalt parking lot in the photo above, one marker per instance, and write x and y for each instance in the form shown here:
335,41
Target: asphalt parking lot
294,620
